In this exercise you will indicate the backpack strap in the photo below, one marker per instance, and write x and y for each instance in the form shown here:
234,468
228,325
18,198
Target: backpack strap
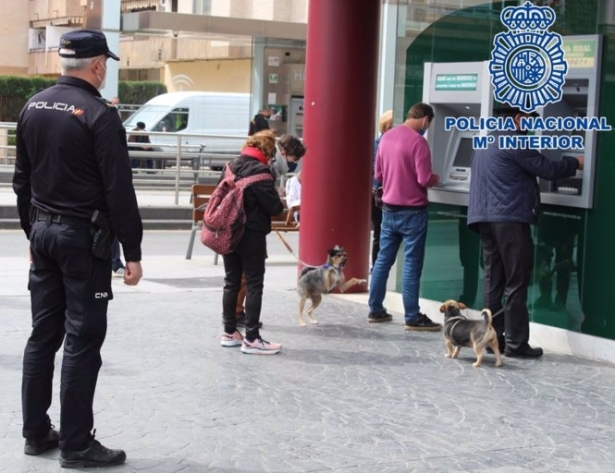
248,181
228,172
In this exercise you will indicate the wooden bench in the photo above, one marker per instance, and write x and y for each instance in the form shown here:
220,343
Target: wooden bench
285,223
199,197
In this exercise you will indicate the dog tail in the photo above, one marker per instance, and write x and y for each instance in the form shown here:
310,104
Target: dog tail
486,313
490,332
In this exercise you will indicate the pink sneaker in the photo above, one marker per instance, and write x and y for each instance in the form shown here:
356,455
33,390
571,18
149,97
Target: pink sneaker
260,347
231,340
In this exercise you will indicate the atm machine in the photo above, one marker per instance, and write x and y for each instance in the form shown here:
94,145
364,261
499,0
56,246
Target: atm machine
464,89
455,89
295,117
579,99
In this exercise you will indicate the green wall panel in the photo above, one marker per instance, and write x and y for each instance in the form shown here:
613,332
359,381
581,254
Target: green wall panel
572,281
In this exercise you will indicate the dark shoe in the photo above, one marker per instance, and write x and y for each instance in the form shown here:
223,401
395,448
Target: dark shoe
95,455
241,321
381,317
423,324
524,351
41,445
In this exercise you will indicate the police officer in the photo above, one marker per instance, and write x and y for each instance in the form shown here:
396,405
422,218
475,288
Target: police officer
504,202
72,163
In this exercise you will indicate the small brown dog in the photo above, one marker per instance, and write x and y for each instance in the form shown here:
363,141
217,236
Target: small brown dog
459,331
314,282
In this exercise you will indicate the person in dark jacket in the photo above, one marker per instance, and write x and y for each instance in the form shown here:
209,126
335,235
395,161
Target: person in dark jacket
261,202
136,163
260,121
72,165
504,202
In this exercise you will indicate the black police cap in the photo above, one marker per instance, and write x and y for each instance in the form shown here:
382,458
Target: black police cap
508,110
81,44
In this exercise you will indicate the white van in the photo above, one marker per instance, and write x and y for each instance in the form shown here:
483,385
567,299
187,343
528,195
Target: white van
205,113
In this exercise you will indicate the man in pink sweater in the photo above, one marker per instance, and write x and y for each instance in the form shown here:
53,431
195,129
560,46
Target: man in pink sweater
403,168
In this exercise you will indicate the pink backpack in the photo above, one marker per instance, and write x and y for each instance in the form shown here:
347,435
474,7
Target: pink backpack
225,218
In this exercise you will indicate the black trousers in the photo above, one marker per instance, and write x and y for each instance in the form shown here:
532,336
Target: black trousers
469,256
69,291
249,256
376,225
508,256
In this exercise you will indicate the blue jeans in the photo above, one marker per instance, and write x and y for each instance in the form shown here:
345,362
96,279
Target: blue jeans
409,226
116,258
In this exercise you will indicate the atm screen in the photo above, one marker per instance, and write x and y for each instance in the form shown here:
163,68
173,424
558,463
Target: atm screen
463,156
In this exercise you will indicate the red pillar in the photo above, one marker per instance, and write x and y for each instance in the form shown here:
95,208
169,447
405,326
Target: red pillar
339,124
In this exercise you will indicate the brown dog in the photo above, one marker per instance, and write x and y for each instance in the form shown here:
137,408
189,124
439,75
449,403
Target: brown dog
314,282
459,331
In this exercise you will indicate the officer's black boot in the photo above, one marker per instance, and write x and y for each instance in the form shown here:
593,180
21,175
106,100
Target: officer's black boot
36,446
95,455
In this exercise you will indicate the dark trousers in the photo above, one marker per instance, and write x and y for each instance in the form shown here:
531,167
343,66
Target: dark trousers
248,257
376,224
69,291
469,256
241,296
508,256
116,255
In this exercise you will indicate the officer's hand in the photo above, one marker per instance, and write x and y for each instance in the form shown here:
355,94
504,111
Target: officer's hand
581,160
133,273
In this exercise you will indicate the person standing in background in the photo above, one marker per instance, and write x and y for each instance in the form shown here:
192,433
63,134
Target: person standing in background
293,194
504,203
384,124
260,121
117,266
403,166
261,202
289,150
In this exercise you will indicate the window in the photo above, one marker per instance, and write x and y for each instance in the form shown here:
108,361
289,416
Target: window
177,120
202,7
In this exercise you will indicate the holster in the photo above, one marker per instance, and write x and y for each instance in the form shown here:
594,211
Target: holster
102,236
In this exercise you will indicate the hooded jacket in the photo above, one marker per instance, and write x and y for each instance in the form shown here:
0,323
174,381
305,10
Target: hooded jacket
261,201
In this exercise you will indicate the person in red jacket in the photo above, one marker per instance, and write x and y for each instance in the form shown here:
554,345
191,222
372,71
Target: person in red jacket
261,202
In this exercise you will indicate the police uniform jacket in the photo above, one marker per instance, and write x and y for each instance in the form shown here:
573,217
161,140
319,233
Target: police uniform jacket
503,186
72,159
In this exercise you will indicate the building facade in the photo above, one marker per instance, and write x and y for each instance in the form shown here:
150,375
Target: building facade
33,29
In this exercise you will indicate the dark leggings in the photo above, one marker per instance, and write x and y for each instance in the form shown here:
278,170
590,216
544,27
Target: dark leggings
248,257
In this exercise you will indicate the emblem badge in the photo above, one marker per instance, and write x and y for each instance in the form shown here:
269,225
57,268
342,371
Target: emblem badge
528,67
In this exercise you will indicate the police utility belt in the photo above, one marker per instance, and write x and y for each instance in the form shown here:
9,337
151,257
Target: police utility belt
102,234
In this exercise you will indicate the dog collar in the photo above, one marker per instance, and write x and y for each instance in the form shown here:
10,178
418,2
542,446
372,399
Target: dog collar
328,266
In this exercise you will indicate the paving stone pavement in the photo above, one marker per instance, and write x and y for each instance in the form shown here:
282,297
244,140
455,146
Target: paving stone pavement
343,396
